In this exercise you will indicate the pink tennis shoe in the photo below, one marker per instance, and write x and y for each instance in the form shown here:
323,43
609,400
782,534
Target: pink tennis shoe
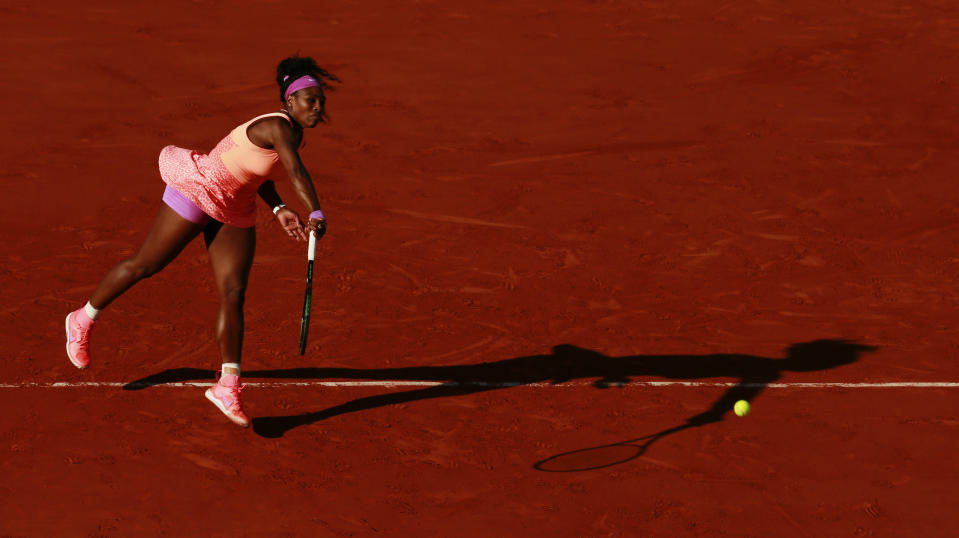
225,395
79,326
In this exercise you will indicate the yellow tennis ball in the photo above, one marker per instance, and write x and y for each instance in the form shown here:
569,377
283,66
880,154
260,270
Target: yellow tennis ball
741,408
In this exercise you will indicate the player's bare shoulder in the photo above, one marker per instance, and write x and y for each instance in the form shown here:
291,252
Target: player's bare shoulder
273,131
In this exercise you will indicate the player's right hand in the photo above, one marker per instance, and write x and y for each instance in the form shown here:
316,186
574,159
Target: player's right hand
318,226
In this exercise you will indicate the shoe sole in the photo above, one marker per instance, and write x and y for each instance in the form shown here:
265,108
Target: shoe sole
70,355
209,396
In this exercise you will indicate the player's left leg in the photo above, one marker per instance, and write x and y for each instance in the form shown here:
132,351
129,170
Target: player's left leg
231,252
172,231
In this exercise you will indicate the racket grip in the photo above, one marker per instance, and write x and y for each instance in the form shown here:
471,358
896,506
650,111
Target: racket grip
311,250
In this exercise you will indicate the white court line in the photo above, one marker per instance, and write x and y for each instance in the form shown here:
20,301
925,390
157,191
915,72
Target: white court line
392,384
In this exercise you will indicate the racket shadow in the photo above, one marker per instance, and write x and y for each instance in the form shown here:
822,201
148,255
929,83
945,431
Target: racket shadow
599,457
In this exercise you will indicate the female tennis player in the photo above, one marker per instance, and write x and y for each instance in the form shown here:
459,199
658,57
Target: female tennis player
215,194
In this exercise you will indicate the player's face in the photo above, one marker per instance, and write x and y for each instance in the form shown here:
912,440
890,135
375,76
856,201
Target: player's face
308,106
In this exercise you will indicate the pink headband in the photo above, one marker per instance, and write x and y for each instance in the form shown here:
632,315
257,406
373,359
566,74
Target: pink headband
305,81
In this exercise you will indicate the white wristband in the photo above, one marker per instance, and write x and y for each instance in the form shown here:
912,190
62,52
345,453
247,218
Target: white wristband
278,207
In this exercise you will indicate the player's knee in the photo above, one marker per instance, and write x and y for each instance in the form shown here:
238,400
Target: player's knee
233,295
141,269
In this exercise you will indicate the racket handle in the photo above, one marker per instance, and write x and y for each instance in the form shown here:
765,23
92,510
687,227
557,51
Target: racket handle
311,250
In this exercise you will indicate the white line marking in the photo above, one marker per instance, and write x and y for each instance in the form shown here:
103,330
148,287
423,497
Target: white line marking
498,384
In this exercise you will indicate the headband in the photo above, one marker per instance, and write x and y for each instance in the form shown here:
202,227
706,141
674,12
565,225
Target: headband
305,81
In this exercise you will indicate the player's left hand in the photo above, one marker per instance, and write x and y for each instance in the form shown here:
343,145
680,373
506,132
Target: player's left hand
291,224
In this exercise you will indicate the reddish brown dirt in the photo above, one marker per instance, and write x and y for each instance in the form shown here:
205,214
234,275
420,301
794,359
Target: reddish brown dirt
661,181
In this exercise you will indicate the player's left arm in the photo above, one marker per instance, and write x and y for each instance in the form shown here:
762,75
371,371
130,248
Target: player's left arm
287,218
268,194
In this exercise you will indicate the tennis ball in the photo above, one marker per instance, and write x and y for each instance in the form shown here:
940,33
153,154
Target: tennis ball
741,408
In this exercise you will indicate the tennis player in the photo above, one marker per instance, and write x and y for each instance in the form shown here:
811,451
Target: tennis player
215,194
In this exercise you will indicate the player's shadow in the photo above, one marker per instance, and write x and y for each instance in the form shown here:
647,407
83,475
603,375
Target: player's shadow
565,363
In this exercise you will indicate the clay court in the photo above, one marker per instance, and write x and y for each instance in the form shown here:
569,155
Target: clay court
564,237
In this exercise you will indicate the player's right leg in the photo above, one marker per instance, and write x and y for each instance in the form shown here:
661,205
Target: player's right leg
231,256
168,236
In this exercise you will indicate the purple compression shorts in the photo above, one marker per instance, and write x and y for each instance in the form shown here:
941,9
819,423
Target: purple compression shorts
183,206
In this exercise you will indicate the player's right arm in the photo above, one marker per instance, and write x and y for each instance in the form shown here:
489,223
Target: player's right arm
286,141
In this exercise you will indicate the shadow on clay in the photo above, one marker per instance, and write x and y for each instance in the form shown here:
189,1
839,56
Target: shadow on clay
566,363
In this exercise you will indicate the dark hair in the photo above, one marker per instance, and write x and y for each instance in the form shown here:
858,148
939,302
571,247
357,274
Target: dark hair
295,67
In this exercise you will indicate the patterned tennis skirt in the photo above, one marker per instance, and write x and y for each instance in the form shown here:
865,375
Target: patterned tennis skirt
205,181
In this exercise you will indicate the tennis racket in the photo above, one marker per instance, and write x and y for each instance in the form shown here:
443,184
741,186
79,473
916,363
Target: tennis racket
307,299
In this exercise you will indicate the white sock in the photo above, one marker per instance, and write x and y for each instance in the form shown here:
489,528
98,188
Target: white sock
92,312
226,365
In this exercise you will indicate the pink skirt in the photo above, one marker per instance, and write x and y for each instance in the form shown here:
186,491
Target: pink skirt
206,182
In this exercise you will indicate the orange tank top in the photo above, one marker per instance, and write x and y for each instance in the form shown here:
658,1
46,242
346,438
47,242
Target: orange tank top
245,160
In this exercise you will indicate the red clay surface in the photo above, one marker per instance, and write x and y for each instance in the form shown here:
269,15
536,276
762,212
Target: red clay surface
656,181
